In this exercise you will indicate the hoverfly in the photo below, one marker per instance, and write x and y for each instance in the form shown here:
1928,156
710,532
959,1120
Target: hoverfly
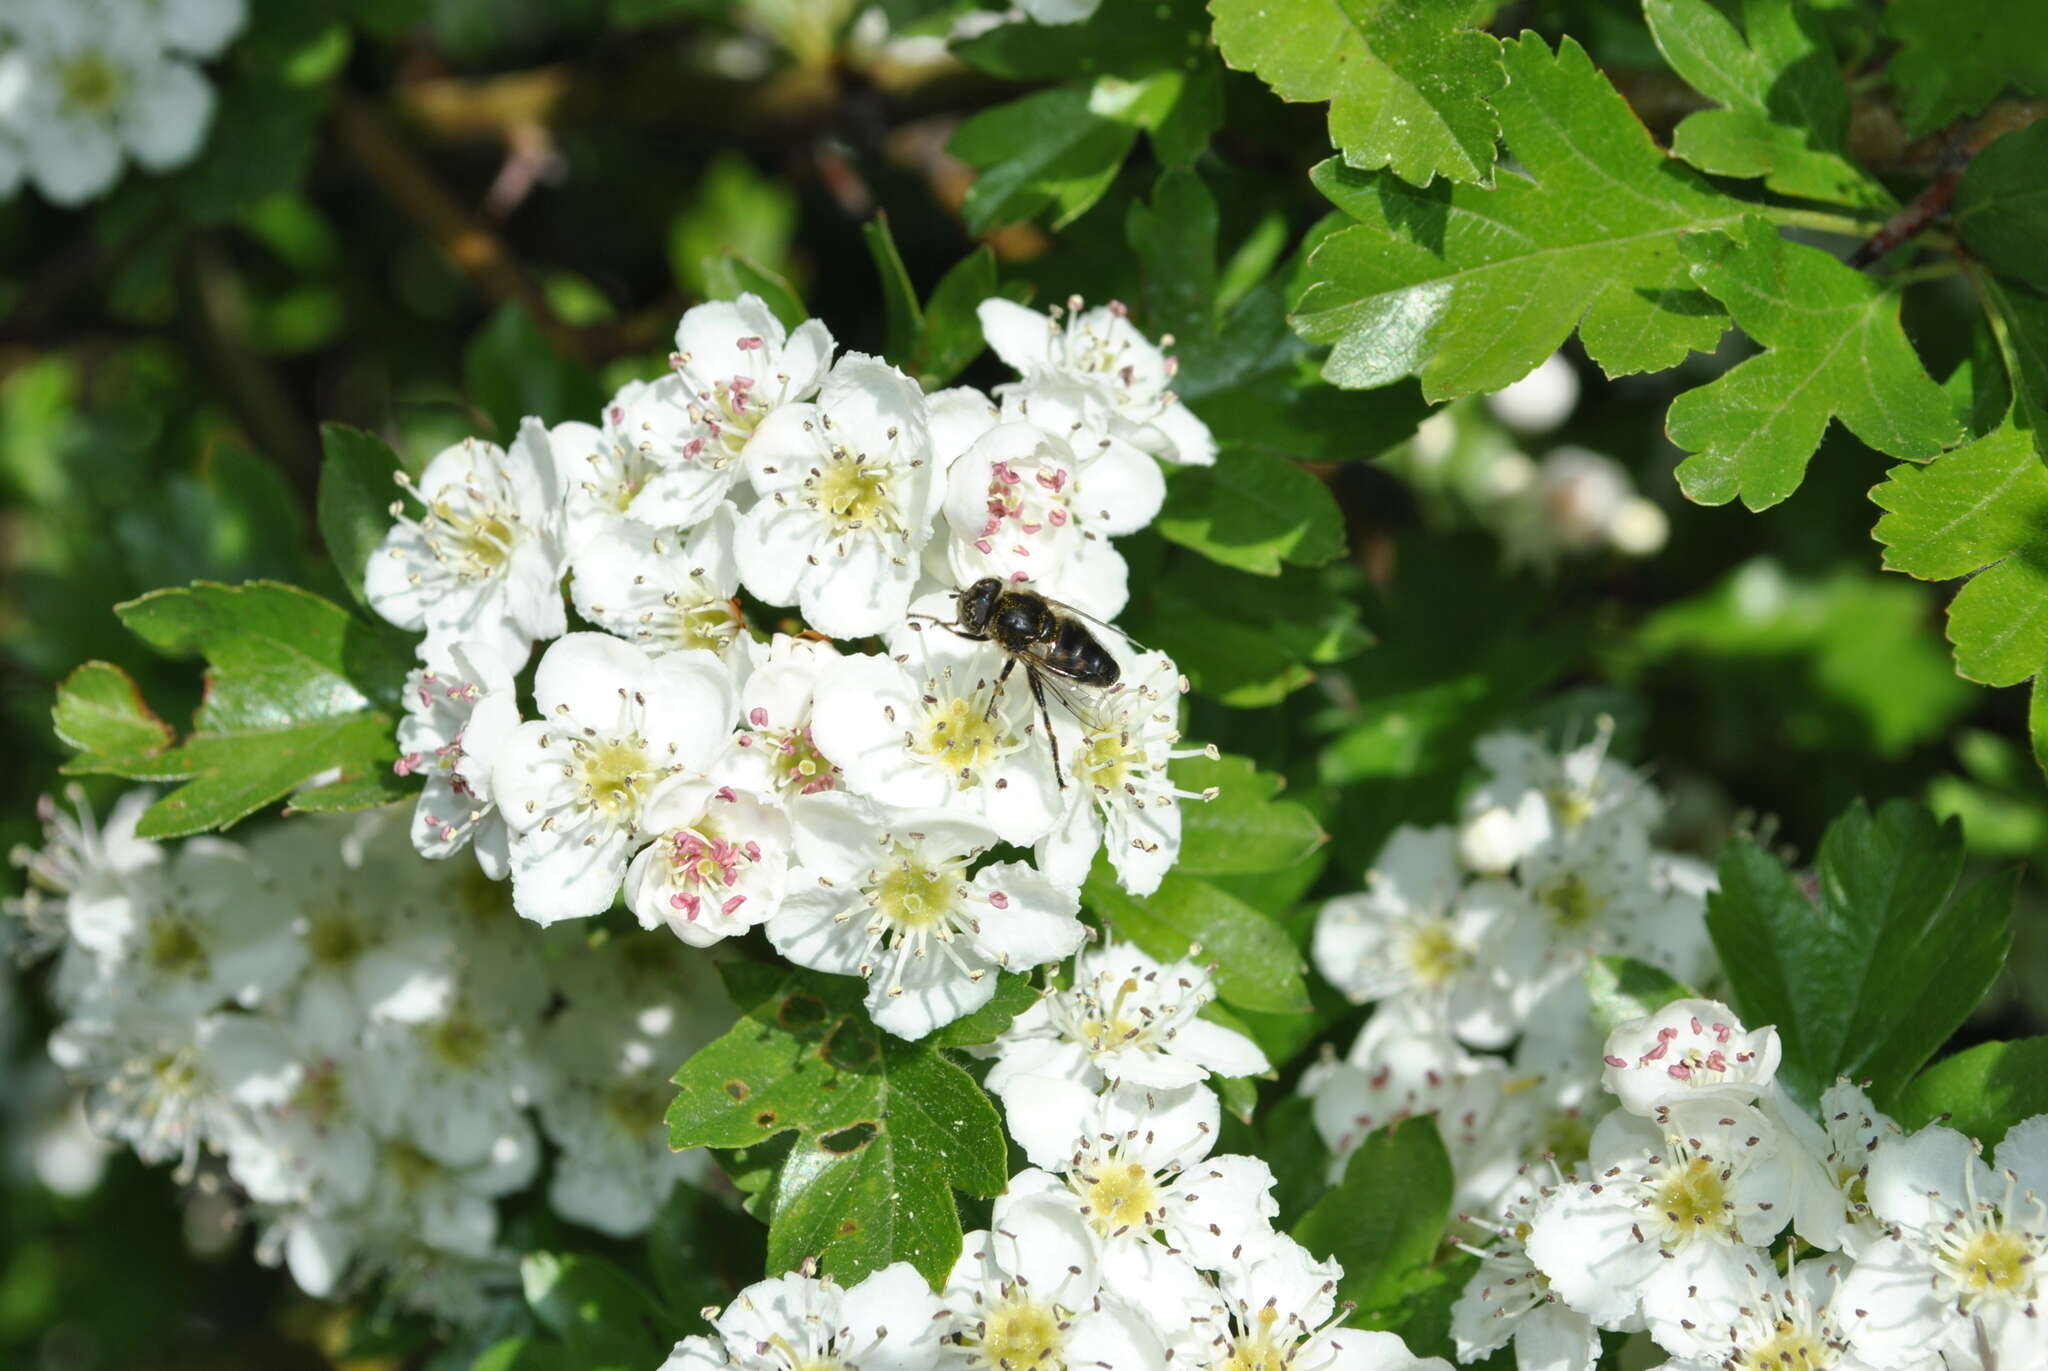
1047,637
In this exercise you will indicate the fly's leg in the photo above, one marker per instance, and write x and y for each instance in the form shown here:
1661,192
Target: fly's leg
1045,716
995,696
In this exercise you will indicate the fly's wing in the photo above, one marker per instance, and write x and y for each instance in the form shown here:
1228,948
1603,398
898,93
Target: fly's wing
1109,629
1083,702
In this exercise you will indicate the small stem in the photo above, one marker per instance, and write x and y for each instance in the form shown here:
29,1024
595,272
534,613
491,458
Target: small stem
1933,271
1821,221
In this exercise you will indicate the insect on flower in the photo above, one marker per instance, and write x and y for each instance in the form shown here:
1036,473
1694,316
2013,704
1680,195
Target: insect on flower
1050,639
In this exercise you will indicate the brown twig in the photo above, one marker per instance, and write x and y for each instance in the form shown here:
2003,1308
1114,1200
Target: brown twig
261,400
462,237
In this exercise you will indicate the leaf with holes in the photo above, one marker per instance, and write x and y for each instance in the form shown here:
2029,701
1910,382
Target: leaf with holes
296,687
886,1129
1834,349
1473,287
1408,81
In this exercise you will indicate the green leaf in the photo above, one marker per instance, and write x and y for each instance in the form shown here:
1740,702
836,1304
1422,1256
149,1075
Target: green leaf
603,1317
1246,641
1290,1144
1253,512
1623,988
522,1354
1175,239
951,337
886,1129
1982,512
2021,318
1014,995
1888,929
2001,207
295,687
512,371
1834,350
1983,1091
1785,114
1382,1222
1257,966
100,712
903,319
1474,287
699,1252
356,491
728,278
1407,80
1243,829
1956,56
1049,150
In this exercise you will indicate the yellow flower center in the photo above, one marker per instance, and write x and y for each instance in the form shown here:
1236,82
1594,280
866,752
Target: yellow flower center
175,948
637,1106
412,1168
1123,1195
1435,955
611,772
1790,1350
914,896
1257,1349
1572,807
706,624
459,1040
1023,1335
957,736
1994,1260
335,938
1107,760
1571,901
90,84
1694,1197
854,493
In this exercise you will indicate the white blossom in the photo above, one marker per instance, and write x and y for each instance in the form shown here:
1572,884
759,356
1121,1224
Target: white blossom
848,493
718,865
888,1322
458,713
774,753
888,896
1689,1051
482,562
1508,1299
617,727
664,593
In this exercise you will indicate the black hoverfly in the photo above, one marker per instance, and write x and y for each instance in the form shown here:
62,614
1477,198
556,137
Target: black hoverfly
1047,637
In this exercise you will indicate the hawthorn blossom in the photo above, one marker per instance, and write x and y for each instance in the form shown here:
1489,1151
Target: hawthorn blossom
1415,934
926,728
848,494
889,1320
1028,1291
773,752
457,714
1535,795
1689,1052
718,864
85,86
1125,1017
1110,368
1404,1065
888,896
1278,1308
1508,1299
482,563
1662,1209
576,785
1962,1267
96,871
1794,1320
664,593
1120,792
1023,505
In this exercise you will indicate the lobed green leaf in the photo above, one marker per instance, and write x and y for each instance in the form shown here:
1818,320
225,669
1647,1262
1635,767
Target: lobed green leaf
1982,1091
1257,966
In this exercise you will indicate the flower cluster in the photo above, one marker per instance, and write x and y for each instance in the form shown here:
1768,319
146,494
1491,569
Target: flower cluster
845,800
1477,936
86,85
1131,1248
369,1046
1913,1255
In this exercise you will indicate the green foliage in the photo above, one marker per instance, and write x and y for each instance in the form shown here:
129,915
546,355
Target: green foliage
1050,150
1785,111
1956,56
2001,207
100,712
1473,287
513,371
1982,1091
1383,1222
1245,641
604,1319
1408,81
1981,512
1253,512
356,491
1885,928
1243,829
295,687
1834,350
1622,988
1257,966
885,1129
